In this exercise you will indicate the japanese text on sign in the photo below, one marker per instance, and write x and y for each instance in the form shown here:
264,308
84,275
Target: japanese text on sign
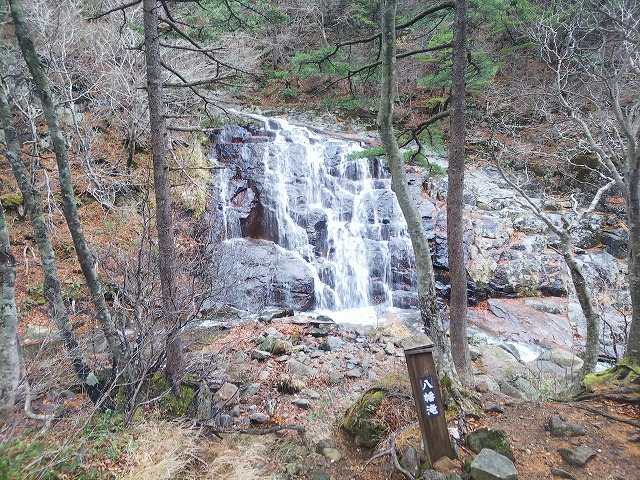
428,392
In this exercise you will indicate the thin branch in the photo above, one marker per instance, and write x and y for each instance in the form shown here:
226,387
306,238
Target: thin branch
115,9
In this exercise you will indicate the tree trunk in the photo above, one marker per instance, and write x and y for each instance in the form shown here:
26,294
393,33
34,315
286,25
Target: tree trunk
116,342
51,285
164,220
593,319
455,204
633,256
429,311
9,359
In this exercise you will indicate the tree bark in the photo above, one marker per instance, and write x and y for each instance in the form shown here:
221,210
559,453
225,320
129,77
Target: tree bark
116,342
584,298
633,253
429,311
9,356
51,285
455,204
164,219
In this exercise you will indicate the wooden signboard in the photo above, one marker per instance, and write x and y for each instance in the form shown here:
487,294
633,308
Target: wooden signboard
426,393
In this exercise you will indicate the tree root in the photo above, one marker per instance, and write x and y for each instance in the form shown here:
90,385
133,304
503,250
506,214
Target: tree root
391,451
600,412
263,431
615,395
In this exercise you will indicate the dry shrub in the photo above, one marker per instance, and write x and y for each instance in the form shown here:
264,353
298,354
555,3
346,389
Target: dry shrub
397,411
164,451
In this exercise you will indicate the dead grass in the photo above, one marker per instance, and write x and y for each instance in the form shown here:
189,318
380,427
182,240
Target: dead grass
165,450
239,458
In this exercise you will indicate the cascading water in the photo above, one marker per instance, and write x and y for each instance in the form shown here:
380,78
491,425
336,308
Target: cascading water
327,208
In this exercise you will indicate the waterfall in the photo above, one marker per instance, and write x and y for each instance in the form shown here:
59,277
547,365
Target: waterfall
334,211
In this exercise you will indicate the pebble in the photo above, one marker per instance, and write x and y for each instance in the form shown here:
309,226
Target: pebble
259,418
311,393
332,454
302,403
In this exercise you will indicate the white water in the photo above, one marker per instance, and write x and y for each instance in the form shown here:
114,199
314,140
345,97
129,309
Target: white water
312,178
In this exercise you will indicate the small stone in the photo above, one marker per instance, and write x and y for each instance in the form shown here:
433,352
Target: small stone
390,349
260,355
490,465
302,403
576,456
332,454
354,373
492,407
268,344
264,375
487,438
311,393
482,387
558,472
272,332
250,390
410,461
299,368
282,347
259,418
559,428
324,443
334,378
444,465
293,469
316,354
226,395
235,411
282,358
225,420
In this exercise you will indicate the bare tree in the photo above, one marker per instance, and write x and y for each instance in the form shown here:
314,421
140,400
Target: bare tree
567,250
455,203
9,357
593,51
51,285
116,342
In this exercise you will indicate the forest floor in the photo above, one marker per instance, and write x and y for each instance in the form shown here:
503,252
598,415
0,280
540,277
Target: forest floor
154,446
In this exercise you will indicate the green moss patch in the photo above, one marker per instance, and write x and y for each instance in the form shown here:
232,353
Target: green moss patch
623,378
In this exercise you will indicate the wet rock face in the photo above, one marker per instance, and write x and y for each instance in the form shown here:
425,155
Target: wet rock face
338,214
303,192
262,273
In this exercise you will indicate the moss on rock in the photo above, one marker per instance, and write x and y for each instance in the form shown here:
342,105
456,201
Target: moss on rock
362,420
619,377
170,404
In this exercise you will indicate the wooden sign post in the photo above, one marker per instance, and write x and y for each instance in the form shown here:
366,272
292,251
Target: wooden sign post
426,393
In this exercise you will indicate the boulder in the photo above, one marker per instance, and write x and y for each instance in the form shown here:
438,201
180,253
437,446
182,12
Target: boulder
226,395
499,363
562,358
265,274
496,440
490,465
577,456
560,428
